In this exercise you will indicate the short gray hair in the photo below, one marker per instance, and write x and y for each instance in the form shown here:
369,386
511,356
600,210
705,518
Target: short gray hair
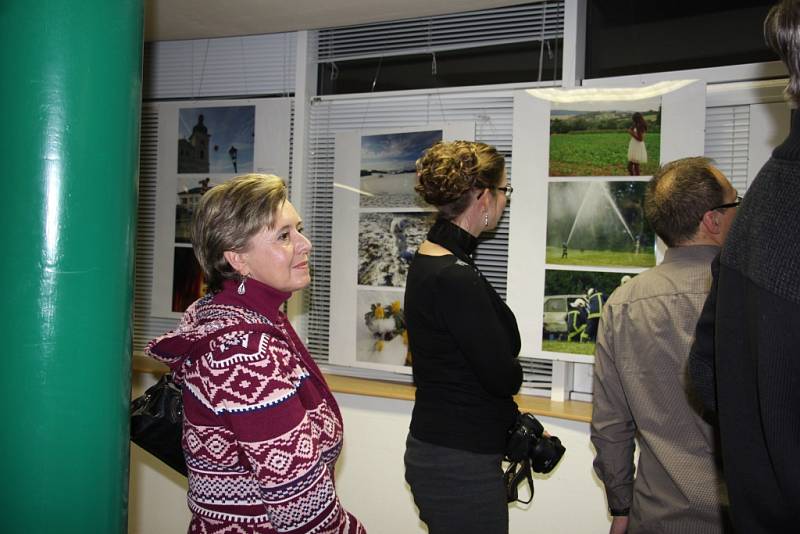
227,217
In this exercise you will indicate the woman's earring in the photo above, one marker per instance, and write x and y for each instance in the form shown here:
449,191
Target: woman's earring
486,218
242,289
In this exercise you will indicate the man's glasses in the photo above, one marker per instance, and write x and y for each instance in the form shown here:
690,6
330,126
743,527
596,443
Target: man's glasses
728,205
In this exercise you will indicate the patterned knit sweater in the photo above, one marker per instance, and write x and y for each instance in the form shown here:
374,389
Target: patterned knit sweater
261,429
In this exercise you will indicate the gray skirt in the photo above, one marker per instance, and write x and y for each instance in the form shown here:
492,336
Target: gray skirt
456,491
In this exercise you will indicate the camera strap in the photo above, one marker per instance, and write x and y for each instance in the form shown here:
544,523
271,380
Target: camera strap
516,472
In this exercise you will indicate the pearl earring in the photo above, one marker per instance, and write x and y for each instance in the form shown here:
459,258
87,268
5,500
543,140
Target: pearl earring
486,218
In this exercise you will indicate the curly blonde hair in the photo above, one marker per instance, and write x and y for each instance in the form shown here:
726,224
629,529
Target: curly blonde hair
448,170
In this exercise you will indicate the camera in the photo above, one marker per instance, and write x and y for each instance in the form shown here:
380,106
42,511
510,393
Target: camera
526,441
528,449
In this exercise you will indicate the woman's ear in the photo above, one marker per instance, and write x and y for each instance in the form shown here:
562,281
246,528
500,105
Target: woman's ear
237,260
486,198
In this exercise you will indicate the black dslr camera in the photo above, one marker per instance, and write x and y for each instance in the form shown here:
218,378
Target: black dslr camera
527,448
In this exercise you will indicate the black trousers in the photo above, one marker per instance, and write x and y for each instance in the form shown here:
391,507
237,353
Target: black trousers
458,492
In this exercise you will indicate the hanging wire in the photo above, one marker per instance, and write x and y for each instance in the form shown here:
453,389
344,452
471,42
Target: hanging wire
377,74
244,65
541,40
372,90
203,70
555,64
287,68
434,73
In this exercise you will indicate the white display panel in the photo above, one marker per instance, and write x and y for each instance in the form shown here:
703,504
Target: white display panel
582,227
378,223
233,137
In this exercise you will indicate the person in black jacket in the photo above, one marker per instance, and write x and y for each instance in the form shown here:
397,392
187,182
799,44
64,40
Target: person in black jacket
464,344
745,363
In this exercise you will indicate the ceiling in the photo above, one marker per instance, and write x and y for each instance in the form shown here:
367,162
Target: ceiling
167,20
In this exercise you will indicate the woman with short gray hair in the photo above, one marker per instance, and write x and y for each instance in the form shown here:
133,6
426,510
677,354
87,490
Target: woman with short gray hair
261,429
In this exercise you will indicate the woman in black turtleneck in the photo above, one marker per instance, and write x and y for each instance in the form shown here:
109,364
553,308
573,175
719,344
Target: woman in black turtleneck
464,343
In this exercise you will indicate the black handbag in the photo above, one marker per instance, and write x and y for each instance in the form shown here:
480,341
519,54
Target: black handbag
157,422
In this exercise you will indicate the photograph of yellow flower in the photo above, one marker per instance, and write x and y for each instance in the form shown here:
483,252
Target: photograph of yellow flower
381,335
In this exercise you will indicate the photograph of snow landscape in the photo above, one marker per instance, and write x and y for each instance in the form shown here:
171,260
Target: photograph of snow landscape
598,223
386,244
388,171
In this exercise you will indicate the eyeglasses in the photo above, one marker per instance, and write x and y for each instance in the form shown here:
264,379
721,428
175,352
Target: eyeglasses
507,190
728,205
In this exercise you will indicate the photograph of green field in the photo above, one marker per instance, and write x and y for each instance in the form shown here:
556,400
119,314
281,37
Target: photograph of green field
598,223
573,301
605,138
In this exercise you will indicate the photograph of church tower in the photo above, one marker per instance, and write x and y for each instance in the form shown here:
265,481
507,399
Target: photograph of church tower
216,140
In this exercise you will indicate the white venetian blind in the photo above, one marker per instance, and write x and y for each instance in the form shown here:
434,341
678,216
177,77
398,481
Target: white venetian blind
504,25
229,66
145,326
727,142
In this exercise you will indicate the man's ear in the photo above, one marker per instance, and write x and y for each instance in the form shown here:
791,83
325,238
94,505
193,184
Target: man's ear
237,260
710,222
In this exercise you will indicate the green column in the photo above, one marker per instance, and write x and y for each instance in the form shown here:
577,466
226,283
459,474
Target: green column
70,92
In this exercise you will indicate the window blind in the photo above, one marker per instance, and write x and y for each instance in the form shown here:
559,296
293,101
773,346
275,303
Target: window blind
146,327
727,142
512,24
230,66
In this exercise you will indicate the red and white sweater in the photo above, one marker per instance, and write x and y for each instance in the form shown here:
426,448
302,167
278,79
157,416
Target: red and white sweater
261,429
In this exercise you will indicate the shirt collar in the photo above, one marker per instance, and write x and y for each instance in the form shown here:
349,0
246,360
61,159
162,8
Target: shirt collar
691,253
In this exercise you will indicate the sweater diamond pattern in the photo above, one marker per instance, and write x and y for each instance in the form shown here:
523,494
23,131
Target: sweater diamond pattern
261,430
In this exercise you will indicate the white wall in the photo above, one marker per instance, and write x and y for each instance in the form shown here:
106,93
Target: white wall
370,481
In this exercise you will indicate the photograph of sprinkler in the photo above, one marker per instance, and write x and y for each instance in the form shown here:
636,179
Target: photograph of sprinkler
573,302
603,138
598,223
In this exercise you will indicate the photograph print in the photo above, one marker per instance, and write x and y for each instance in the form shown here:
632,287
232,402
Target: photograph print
190,191
381,328
216,140
605,138
387,242
187,279
598,223
573,303
388,168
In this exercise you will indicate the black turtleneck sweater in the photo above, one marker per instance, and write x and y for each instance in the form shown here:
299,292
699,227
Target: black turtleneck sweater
464,343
